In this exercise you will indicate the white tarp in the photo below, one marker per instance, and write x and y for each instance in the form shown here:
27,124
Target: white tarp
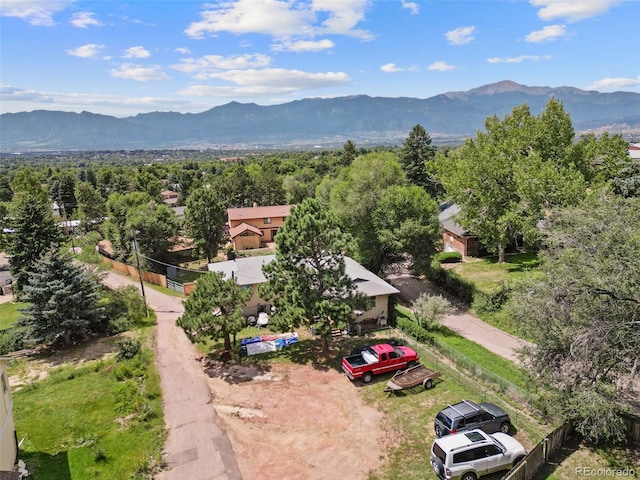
261,347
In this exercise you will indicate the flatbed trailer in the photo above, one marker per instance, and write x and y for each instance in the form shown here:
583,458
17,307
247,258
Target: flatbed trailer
412,377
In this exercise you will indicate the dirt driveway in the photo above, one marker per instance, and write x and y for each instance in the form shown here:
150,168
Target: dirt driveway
296,422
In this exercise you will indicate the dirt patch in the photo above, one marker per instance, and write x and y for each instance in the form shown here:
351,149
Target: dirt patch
296,422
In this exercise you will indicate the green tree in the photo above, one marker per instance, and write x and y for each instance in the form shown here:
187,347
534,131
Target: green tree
91,206
354,197
415,156
35,232
507,179
204,220
156,228
62,302
214,309
116,228
349,153
583,314
406,222
62,191
308,283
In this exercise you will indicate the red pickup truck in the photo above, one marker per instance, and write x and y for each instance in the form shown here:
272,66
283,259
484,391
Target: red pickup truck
377,359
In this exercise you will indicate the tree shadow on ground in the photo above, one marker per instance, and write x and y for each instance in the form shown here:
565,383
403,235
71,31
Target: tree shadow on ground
45,466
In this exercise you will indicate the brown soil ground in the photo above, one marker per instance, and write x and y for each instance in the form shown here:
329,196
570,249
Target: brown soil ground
326,432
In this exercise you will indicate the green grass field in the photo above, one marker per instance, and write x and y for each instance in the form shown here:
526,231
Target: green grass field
9,313
100,420
487,274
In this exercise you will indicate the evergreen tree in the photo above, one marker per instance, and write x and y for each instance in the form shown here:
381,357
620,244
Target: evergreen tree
35,232
214,309
415,155
308,282
349,153
62,302
91,205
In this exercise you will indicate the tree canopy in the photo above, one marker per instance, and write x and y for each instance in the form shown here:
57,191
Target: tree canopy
204,221
214,309
416,155
308,283
584,314
62,300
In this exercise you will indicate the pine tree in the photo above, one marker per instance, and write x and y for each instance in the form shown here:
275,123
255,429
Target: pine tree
62,302
35,232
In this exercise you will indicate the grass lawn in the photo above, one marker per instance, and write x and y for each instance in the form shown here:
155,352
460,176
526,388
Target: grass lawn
99,420
9,313
487,274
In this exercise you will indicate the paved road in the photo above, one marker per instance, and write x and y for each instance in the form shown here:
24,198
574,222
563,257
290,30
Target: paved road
468,326
197,448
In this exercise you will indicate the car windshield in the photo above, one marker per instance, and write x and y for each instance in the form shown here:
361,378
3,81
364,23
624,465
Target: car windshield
444,419
398,351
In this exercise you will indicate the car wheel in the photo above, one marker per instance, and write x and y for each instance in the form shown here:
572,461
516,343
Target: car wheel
367,377
437,466
505,427
438,430
428,384
468,476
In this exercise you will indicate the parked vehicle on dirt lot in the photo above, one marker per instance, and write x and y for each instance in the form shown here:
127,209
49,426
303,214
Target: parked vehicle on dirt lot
467,415
472,454
377,359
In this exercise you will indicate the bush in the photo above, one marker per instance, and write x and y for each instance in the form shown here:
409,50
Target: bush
414,330
490,302
448,257
11,340
127,348
452,283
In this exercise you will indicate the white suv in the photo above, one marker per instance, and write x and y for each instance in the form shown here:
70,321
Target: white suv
473,454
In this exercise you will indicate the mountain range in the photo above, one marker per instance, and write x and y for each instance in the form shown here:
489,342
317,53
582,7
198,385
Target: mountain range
328,122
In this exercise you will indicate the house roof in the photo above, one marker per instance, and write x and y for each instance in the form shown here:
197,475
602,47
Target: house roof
446,217
243,227
258,212
179,211
248,271
634,150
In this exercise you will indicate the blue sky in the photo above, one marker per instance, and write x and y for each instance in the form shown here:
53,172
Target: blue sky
120,58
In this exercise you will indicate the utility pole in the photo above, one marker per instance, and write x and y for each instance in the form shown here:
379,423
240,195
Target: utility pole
135,249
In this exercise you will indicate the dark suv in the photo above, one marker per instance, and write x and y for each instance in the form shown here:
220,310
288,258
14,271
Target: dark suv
467,415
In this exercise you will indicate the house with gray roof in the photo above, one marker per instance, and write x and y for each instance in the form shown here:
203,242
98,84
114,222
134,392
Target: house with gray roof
454,236
247,271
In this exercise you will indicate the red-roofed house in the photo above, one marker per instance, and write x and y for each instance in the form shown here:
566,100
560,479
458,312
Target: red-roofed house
253,227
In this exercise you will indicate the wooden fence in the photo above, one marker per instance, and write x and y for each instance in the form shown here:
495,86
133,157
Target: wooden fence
149,277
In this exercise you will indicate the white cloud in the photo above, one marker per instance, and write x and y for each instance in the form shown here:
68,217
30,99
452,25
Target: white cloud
183,51
282,19
520,59
25,100
35,12
84,20
136,52
393,68
211,63
303,46
614,83
265,81
86,51
441,66
572,10
139,73
411,6
547,34
460,36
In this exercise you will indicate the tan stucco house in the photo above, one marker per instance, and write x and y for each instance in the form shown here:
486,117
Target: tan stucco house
248,273
8,439
254,227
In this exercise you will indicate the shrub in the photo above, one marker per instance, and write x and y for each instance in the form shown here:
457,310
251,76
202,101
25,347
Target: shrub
11,340
451,282
127,348
491,302
431,309
414,330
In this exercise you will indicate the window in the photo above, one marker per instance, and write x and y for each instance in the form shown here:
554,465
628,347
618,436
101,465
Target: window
267,220
492,450
393,355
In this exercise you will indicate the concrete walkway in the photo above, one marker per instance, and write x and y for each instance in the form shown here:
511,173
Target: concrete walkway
468,326
196,448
